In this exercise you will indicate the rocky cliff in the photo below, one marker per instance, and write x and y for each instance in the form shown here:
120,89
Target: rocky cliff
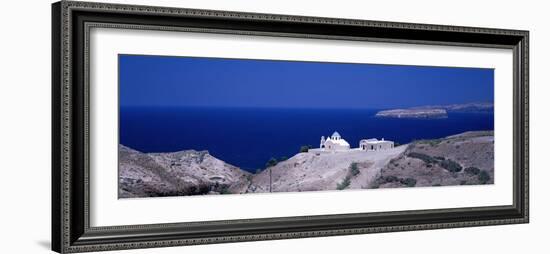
413,113
177,174
463,159
474,107
436,111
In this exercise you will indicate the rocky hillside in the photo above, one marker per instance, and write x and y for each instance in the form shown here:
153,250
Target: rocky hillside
324,171
177,174
463,159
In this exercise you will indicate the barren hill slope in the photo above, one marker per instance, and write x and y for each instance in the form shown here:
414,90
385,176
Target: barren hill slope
325,171
181,173
462,159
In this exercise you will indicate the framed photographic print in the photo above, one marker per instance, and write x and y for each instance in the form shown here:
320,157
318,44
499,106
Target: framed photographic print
181,126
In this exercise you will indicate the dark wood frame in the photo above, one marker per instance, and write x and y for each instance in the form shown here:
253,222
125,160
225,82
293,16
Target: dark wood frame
71,22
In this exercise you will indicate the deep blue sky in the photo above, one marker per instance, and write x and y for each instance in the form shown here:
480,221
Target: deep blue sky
215,82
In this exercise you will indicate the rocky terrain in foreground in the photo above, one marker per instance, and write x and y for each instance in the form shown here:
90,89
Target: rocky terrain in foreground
177,174
462,159
330,171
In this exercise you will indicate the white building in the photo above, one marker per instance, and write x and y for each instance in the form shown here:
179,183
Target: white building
373,144
334,143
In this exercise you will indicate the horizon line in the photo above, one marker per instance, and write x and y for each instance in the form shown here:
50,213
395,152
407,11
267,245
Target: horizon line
287,107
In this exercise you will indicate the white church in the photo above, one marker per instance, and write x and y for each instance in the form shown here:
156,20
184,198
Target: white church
335,143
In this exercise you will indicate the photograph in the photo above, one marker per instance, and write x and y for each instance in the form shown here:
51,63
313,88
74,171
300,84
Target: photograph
182,124
210,126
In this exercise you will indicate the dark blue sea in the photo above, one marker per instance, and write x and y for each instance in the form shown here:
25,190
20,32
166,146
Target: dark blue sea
248,138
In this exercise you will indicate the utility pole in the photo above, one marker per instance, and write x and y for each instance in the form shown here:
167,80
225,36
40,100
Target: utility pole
270,181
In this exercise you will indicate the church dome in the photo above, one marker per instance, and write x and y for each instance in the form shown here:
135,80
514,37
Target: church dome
336,135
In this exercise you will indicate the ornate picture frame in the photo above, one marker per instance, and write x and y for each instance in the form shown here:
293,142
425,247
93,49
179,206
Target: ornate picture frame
71,229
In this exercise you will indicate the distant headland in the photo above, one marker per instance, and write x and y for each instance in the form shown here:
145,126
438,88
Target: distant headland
436,111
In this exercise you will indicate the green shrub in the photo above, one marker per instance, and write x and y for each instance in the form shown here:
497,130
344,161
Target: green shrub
225,190
271,162
284,158
389,179
201,189
375,185
439,158
424,157
472,170
409,182
344,184
305,149
450,165
431,142
483,177
354,169
434,142
436,184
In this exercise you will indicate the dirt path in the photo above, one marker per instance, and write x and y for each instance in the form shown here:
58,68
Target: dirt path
310,172
379,159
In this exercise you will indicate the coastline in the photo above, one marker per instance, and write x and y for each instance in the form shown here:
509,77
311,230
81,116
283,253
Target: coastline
250,137
455,158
